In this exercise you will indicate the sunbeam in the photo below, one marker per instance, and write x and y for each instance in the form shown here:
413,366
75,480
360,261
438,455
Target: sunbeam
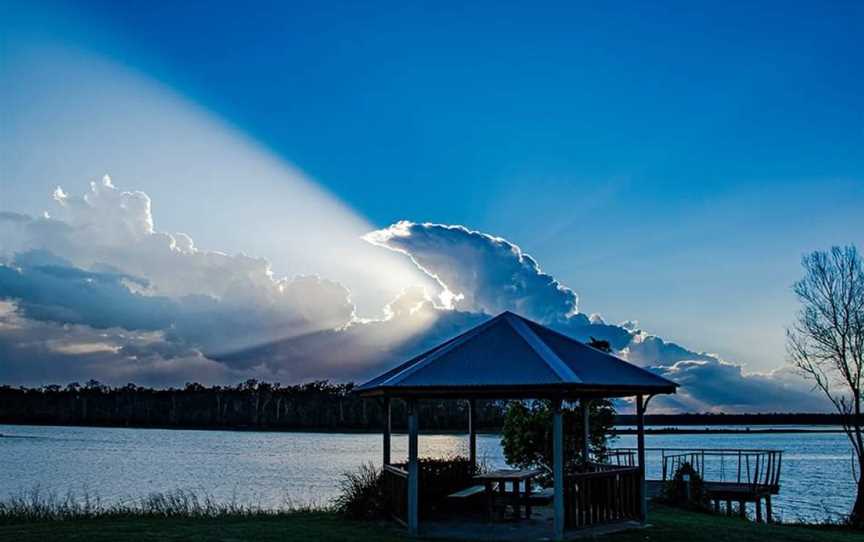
111,119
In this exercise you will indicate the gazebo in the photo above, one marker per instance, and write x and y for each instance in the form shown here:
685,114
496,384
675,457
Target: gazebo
511,357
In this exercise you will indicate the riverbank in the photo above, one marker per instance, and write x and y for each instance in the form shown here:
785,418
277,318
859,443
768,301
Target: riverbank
616,431
666,524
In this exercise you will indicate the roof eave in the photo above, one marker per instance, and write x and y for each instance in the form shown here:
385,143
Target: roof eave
544,391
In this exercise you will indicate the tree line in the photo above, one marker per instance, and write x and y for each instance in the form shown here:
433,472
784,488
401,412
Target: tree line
313,406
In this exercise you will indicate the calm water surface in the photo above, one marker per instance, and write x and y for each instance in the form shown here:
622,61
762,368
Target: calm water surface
272,469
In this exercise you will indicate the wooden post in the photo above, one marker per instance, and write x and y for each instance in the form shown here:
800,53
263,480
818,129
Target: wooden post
640,445
490,501
558,467
758,504
768,517
386,432
413,469
586,429
472,434
517,509
502,490
742,509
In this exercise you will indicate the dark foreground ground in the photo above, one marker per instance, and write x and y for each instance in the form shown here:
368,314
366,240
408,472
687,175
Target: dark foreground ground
667,525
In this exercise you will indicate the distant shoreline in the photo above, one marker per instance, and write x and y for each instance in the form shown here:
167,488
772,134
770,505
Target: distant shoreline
723,431
719,429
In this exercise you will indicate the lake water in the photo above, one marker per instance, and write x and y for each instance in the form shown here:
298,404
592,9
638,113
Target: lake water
272,469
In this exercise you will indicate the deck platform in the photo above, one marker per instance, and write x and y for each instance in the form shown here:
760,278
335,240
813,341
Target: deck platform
728,493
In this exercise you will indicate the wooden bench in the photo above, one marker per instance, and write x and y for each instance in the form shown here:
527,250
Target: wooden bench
468,492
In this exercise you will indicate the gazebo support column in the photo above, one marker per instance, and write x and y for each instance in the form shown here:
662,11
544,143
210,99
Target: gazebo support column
558,468
586,429
472,434
386,431
413,468
641,403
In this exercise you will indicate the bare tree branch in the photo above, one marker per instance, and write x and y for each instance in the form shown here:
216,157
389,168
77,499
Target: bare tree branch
826,342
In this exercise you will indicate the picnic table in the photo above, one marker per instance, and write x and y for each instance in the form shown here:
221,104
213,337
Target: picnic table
516,497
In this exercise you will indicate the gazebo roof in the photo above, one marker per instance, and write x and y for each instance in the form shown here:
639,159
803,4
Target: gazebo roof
510,356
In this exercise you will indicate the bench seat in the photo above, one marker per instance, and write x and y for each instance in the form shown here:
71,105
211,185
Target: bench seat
467,493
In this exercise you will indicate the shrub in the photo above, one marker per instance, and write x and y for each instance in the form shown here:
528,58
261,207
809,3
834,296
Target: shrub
361,494
677,493
441,477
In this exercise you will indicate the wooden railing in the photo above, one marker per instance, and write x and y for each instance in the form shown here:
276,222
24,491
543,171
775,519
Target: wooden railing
395,482
619,457
757,468
608,494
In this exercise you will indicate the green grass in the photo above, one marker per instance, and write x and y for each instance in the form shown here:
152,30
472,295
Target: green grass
673,525
324,526
667,525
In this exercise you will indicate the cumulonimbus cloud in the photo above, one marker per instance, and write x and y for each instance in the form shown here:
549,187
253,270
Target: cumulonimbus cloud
94,290
478,272
101,263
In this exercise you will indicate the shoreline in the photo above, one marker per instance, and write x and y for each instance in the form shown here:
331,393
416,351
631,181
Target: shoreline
719,429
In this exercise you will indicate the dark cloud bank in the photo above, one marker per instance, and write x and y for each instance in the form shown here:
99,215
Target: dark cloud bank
95,291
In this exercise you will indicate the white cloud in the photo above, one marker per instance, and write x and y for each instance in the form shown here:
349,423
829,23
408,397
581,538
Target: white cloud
478,272
101,263
94,289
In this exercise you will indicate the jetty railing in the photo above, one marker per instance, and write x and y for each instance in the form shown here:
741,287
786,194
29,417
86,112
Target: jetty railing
620,457
395,481
603,494
746,467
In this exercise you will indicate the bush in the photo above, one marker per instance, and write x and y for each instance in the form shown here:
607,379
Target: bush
676,491
440,477
361,494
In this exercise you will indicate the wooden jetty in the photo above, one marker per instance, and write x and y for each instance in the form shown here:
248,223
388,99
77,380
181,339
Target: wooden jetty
738,476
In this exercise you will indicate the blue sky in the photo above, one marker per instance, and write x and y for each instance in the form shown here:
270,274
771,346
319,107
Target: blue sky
668,161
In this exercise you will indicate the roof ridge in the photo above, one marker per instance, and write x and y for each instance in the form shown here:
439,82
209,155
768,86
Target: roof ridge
608,355
546,353
435,353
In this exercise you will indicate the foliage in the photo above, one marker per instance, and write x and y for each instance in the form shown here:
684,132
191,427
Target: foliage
686,489
318,405
665,524
826,342
38,506
361,494
527,435
441,477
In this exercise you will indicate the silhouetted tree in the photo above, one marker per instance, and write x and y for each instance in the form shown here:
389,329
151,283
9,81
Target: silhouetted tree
601,345
319,405
826,342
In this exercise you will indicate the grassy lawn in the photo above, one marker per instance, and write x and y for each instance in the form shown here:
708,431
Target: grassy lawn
672,525
322,526
666,526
